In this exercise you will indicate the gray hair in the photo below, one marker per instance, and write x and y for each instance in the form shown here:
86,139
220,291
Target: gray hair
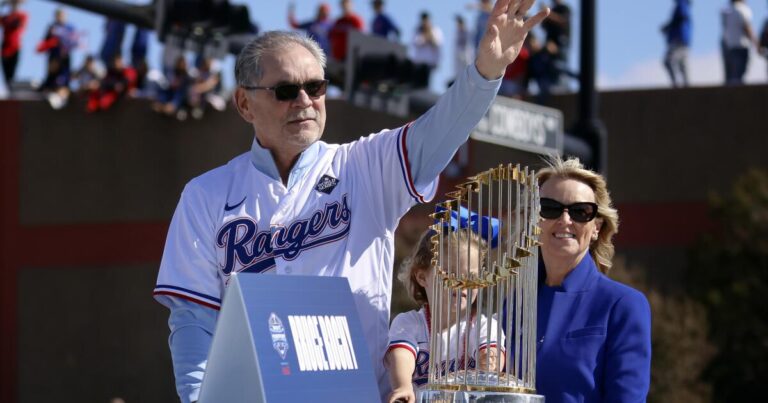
248,70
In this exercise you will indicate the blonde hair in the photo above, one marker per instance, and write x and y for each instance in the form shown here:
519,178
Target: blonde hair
421,260
602,249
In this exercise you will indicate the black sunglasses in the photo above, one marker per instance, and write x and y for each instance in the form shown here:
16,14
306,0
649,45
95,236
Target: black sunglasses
289,92
579,212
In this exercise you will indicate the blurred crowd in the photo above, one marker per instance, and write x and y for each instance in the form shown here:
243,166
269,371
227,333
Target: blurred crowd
541,66
187,85
739,37
177,89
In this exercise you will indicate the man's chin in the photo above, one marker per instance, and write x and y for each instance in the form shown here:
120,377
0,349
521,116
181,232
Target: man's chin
303,138
303,126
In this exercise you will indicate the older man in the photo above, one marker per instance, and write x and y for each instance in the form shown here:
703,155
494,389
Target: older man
297,205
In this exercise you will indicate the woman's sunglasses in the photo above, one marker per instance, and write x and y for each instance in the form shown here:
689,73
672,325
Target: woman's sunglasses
579,212
289,92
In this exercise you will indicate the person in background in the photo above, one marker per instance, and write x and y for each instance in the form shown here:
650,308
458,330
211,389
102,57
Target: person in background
173,100
558,28
317,28
117,82
139,63
427,40
542,67
593,333
338,34
141,87
205,83
483,8
762,45
59,42
462,53
14,22
88,77
173,48
114,32
139,46
738,38
382,25
557,44
678,34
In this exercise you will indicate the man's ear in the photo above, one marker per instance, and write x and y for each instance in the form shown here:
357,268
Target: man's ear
240,99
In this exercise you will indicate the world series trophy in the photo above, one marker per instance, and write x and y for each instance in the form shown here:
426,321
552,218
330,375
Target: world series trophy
483,320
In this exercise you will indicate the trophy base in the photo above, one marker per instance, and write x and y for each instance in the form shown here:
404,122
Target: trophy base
478,387
444,396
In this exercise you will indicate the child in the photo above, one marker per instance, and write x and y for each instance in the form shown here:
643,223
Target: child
408,356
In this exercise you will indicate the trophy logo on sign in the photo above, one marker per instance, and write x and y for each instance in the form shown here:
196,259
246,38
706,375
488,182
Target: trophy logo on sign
483,319
276,329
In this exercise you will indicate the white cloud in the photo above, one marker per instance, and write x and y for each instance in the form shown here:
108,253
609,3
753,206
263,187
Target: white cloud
703,70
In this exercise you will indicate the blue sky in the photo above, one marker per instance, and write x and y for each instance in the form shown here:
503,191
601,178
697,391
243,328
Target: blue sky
630,44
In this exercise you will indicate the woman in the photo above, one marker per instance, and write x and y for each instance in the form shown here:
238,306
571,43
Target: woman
594,334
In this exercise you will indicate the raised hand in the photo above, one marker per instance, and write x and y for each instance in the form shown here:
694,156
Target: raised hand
504,36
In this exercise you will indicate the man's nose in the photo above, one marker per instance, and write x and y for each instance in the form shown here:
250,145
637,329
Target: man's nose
303,99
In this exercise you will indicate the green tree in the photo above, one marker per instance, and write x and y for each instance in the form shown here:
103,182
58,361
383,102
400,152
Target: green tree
728,274
681,350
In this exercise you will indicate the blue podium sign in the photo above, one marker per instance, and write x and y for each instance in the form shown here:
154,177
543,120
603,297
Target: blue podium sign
288,339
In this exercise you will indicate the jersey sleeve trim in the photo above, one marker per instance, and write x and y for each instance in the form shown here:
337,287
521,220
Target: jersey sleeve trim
405,165
403,344
189,295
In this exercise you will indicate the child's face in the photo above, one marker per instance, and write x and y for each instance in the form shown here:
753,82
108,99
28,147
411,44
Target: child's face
463,266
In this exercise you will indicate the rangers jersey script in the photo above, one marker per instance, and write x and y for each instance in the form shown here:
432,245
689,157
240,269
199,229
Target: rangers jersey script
410,331
336,218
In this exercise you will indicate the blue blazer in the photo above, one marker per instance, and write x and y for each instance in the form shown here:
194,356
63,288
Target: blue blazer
594,339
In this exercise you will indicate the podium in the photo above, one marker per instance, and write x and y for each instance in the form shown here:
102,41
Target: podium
288,339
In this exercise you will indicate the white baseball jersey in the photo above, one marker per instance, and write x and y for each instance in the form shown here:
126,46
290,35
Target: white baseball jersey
337,219
410,331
